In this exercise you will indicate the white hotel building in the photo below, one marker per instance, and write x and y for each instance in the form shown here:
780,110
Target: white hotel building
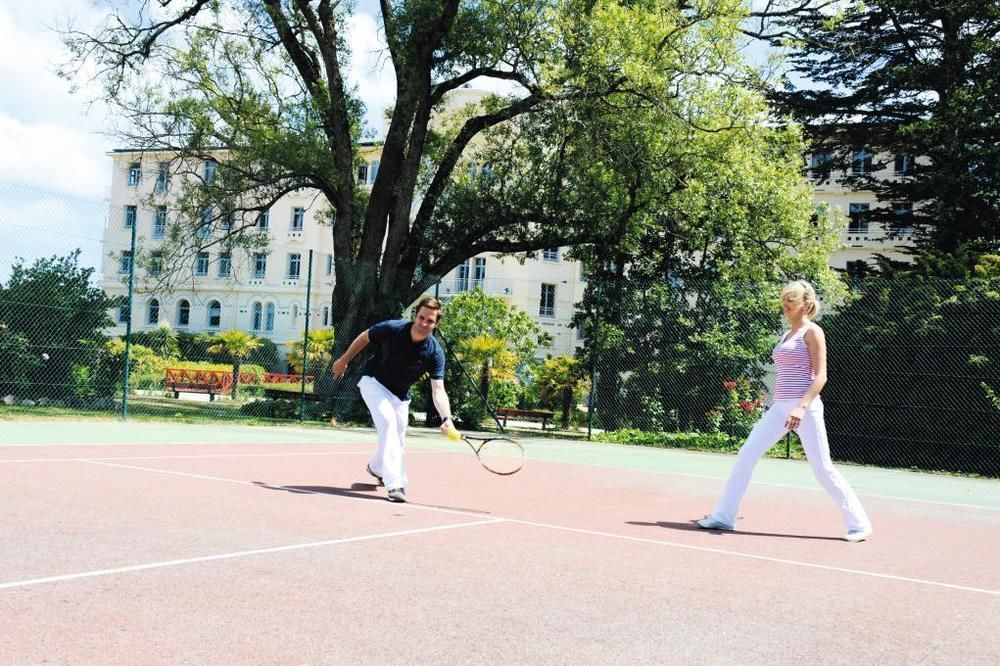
265,291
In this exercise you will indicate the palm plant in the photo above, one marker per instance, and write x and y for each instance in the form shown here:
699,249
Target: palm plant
237,345
491,357
320,350
559,379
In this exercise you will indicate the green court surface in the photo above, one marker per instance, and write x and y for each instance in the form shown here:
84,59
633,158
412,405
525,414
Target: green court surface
867,481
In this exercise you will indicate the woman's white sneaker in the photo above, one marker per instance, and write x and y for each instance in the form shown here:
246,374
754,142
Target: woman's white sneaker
858,535
710,523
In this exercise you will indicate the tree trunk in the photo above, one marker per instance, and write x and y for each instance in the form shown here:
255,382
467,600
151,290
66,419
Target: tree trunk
567,405
236,379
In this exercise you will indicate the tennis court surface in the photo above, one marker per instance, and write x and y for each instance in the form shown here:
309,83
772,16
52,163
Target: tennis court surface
156,543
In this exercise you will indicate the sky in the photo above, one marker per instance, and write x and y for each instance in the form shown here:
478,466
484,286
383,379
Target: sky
55,175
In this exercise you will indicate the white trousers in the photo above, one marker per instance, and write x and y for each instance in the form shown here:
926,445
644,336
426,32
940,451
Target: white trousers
391,416
812,432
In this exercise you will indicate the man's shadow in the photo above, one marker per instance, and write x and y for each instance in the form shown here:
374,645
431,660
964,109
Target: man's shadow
691,527
364,491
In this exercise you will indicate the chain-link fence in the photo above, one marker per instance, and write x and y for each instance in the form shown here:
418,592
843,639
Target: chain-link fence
914,378
913,369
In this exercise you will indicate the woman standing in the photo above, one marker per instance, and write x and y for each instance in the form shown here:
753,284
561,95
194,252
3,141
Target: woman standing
800,357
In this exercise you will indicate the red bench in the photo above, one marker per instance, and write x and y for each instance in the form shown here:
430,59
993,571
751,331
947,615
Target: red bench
212,382
524,414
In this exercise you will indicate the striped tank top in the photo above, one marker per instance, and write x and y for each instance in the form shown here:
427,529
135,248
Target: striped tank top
795,371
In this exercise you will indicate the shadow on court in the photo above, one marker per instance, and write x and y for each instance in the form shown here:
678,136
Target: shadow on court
363,491
691,527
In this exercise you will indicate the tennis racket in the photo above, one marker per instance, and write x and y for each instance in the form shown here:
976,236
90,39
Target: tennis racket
500,455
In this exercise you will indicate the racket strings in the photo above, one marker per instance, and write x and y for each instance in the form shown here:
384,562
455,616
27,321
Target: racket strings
501,456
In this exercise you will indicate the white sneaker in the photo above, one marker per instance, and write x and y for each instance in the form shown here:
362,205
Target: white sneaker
710,523
855,536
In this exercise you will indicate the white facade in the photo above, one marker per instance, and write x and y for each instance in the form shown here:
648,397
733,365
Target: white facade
862,239
266,294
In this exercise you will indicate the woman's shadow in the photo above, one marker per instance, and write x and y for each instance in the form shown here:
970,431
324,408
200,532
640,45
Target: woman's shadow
690,526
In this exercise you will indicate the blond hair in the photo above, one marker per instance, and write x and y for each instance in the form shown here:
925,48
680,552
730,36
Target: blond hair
801,290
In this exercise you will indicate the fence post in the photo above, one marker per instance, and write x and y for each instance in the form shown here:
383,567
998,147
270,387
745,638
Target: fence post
594,352
305,339
128,322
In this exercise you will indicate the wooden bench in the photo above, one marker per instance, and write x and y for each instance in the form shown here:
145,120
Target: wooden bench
211,388
524,414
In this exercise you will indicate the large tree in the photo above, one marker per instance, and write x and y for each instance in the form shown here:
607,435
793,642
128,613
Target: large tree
916,78
265,81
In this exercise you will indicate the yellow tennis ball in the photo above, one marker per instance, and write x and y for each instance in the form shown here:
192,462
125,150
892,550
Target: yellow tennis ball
453,434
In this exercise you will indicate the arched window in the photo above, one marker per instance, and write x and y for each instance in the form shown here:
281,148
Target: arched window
214,314
326,315
295,312
153,313
269,317
257,317
183,313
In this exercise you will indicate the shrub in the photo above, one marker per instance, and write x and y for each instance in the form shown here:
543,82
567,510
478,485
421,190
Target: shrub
709,441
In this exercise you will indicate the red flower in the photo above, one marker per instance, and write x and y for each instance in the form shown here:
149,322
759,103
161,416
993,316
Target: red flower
746,406
730,385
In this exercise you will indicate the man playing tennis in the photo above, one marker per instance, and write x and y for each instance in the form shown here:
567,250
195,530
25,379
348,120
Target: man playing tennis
404,352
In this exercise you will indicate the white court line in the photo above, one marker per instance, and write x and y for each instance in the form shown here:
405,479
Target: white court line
228,556
624,537
811,487
206,455
751,556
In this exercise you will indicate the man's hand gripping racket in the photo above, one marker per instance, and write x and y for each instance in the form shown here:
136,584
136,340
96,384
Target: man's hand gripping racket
500,455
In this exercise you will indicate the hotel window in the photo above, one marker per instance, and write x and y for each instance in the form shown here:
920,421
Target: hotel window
903,165
259,265
462,276
225,264
214,314
269,317
547,303
264,221
201,264
130,214
859,219
479,272
160,222
205,224
183,313
156,263
134,171
902,222
326,315
298,218
211,166
551,254
373,171
162,177
227,220
125,262
861,162
820,164
257,317
153,312
123,313
362,173
294,265
329,264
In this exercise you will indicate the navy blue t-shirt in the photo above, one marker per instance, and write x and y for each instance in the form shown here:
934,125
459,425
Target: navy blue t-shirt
398,361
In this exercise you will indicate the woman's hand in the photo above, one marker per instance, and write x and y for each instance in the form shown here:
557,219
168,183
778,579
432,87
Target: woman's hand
795,417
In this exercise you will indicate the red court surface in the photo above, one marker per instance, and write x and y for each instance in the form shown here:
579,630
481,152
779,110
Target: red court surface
286,554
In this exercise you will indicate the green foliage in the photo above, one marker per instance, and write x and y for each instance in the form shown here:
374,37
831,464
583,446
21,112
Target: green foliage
561,382
743,408
707,441
284,410
17,360
52,307
237,345
163,340
195,347
492,340
903,77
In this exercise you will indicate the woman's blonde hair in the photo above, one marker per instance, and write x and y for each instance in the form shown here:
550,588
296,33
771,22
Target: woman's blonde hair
801,290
